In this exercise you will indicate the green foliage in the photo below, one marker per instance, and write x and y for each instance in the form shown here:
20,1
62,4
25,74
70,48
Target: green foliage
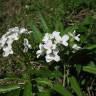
90,68
13,93
44,81
36,34
75,86
27,89
5,89
60,89
11,84
43,23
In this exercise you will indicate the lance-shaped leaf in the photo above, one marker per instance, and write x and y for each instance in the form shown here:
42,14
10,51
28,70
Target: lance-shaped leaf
10,84
44,81
90,69
36,34
28,85
56,87
61,90
75,86
8,88
28,89
43,23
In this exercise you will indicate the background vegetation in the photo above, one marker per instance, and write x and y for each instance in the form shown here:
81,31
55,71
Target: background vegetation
25,75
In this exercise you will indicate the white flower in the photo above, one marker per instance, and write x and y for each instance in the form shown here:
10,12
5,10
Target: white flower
26,45
64,40
14,36
2,42
51,57
9,41
48,46
76,37
41,50
14,30
56,36
18,30
23,30
76,47
7,50
47,37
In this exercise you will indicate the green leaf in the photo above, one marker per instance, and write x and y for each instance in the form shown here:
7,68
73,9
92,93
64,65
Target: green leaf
44,81
90,69
59,25
57,87
88,20
48,74
56,74
91,46
43,23
10,84
28,85
28,89
60,89
36,34
8,81
78,68
44,73
7,88
75,86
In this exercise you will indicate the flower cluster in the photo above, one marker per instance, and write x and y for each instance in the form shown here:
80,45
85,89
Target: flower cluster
50,42
8,38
